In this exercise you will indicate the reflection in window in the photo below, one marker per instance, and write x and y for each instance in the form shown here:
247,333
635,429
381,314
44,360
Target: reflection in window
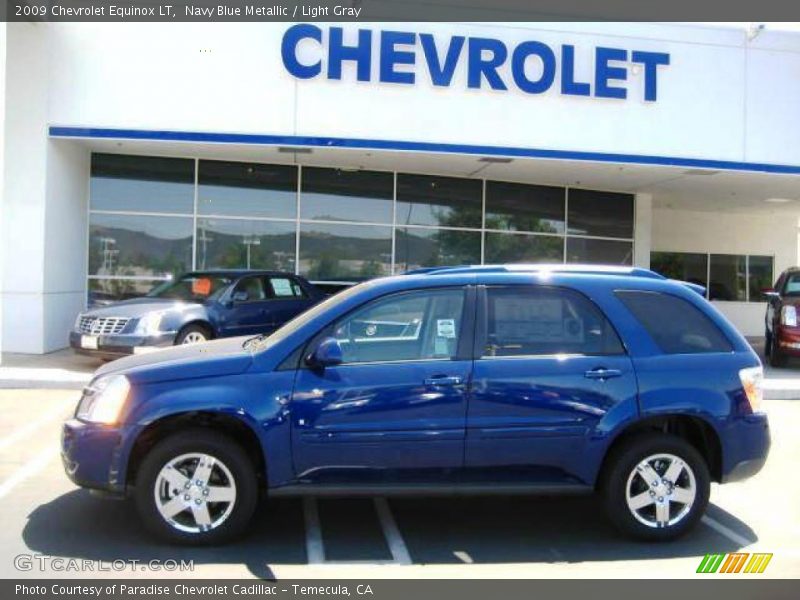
517,207
685,266
445,201
103,292
340,252
602,214
142,184
728,279
603,252
417,247
759,276
522,248
246,189
141,246
338,195
245,244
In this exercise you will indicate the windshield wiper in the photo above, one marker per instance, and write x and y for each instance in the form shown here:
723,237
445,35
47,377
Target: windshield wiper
254,340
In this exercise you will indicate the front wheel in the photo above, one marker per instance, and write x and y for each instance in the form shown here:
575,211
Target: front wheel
196,487
656,487
776,356
192,334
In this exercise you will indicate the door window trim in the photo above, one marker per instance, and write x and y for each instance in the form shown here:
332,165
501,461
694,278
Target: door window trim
482,325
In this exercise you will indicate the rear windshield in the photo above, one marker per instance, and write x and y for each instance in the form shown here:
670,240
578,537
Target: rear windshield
674,324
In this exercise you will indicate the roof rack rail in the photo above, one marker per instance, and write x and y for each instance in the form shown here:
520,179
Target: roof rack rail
539,268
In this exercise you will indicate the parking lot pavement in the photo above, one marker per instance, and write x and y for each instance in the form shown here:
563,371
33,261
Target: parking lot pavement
361,538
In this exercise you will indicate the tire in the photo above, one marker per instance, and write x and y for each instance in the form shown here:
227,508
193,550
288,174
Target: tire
622,480
232,475
777,358
767,344
193,334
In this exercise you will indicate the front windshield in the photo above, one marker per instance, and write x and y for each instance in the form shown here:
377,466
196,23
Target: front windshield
792,285
191,288
261,343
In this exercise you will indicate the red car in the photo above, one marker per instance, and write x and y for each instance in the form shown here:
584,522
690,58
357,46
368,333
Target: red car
782,327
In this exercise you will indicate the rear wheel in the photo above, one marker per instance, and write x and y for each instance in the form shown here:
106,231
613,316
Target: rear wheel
196,487
656,487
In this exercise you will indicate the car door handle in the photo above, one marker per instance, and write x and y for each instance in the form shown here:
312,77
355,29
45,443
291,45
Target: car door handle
440,381
602,373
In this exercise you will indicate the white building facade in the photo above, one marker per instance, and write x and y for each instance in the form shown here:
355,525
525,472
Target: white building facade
133,152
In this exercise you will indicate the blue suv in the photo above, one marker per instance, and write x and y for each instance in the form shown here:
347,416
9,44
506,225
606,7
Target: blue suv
510,379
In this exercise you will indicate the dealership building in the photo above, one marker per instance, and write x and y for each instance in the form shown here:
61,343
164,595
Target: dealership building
132,153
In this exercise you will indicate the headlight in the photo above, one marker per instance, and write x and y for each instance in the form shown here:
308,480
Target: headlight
789,316
150,324
103,400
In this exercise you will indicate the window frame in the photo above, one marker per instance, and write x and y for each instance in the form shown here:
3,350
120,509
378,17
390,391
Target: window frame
235,284
482,323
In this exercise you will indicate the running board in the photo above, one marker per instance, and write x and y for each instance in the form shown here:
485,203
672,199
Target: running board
426,489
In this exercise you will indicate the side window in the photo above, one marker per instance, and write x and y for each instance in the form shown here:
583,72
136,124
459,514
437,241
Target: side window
422,325
526,321
249,289
674,324
284,287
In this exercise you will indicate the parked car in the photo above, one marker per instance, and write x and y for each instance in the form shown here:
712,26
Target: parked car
497,380
781,327
196,307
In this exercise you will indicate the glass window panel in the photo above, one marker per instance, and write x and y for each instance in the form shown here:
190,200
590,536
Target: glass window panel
337,252
518,207
246,189
686,266
605,252
523,248
142,184
103,292
727,277
604,214
337,195
416,248
446,201
245,244
675,325
526,321
760,276
143,246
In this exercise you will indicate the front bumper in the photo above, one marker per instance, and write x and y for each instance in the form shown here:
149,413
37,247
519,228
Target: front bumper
92,455
747,448
116,346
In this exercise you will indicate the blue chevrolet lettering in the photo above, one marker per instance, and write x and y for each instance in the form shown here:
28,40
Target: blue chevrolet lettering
484,59
453,380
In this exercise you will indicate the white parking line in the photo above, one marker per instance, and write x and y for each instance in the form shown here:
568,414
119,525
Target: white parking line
726,531
315,550
22,433
29,469
392,533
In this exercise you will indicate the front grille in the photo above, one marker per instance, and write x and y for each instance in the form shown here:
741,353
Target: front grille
102,325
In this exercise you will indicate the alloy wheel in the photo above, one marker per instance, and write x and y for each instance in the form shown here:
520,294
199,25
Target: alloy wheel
195,492
194,337
661,490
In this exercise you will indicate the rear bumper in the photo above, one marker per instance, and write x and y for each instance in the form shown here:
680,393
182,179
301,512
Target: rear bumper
116,346
748,443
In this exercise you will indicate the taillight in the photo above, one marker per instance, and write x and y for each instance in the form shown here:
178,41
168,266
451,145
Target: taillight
789,316
752,381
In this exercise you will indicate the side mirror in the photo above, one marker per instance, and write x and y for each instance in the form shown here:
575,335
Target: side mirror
240,296
769,293
328,354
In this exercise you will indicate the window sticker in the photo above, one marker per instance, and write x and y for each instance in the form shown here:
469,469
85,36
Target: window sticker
446,328
201,287
282,287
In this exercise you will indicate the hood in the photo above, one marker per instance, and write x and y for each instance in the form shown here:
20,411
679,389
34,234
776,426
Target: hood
192,361
138,307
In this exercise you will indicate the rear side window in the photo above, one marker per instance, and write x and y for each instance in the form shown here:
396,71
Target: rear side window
676,326
530,321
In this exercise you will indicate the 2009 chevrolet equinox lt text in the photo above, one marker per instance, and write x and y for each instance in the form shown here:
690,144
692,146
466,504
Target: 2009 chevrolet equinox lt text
492,379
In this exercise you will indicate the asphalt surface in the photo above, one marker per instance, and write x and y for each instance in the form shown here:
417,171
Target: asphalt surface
80,535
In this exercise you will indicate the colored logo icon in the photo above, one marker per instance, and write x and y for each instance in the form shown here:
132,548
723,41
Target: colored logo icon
734,562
